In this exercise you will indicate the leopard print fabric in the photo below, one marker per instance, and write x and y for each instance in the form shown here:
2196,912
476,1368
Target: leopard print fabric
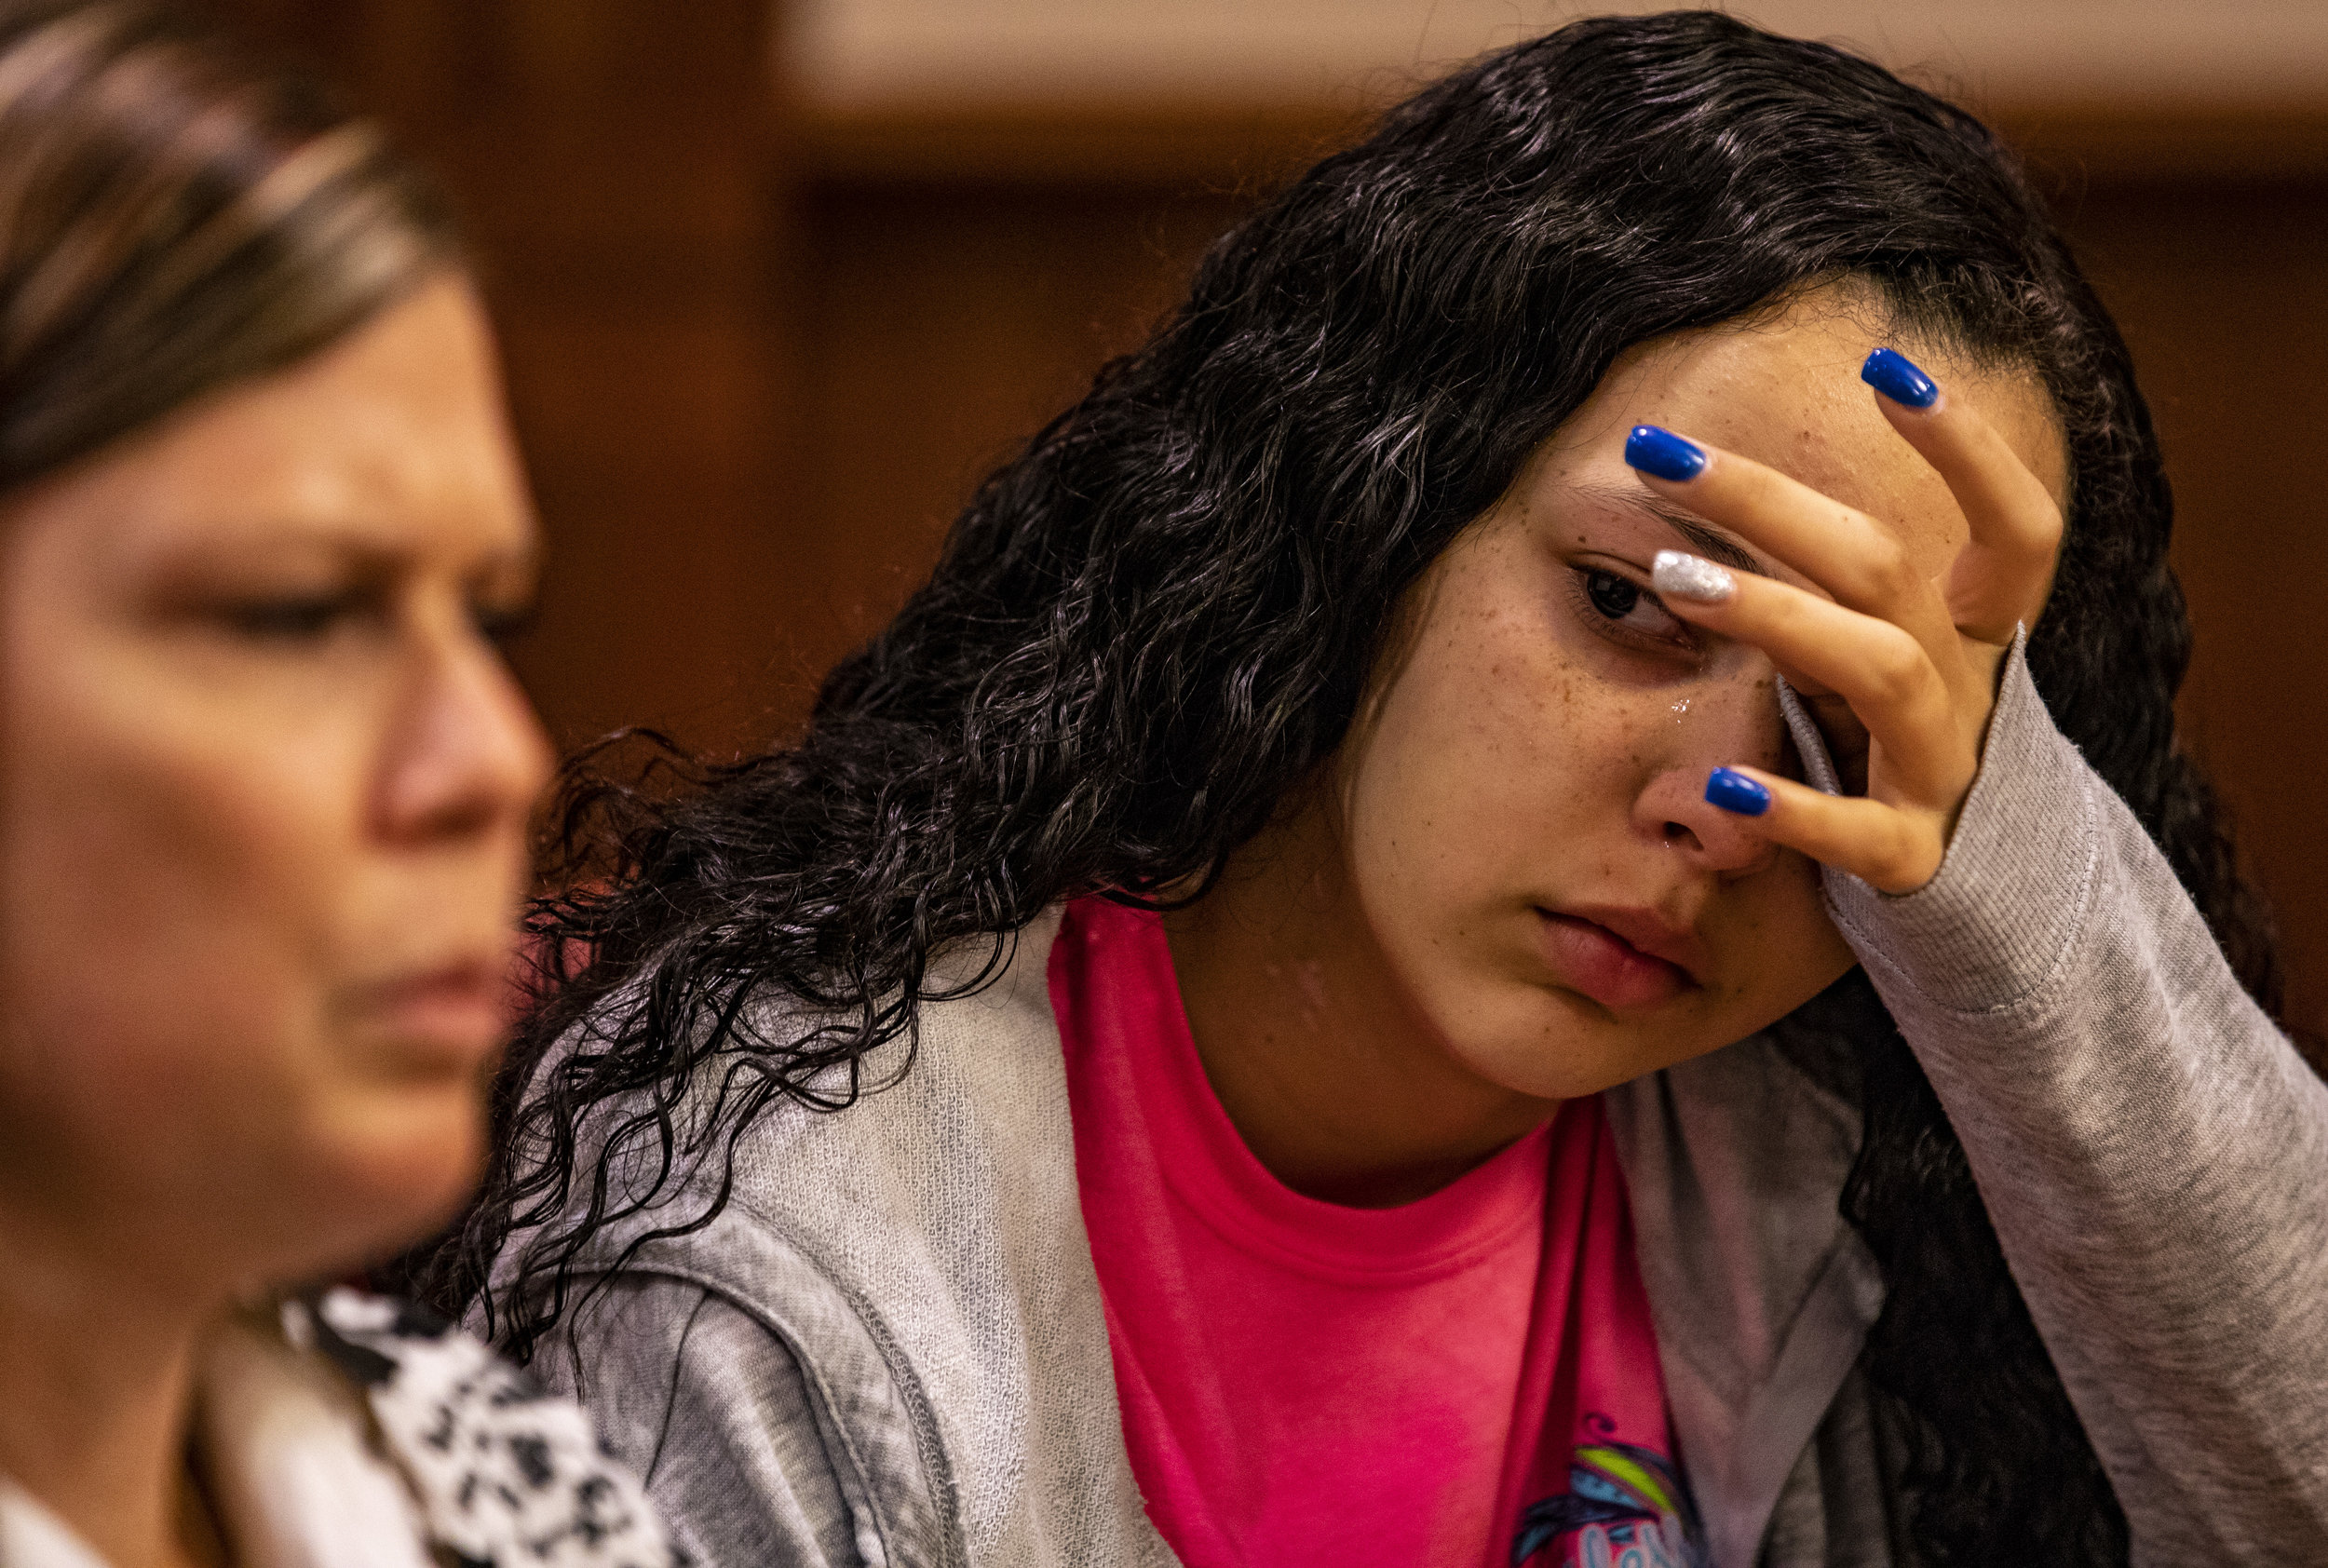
502,1473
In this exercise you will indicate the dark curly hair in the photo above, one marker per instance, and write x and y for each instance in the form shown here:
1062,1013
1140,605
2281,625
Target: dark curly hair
1158,618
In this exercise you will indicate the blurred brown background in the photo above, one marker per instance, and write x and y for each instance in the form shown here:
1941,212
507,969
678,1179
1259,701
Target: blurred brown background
776,285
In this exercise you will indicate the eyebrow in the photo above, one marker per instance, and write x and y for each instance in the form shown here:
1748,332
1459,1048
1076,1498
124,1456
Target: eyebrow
1702,537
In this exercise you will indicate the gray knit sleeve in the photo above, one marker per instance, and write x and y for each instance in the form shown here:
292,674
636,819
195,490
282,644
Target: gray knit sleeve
2152,1150
700,1398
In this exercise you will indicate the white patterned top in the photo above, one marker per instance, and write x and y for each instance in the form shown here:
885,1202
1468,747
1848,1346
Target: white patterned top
349,1431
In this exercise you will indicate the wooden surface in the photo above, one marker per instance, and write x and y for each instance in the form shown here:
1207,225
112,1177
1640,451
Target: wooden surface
2222,290
612,159
759,359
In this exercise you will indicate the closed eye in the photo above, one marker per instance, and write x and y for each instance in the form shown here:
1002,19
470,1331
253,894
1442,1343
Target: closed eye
502,624
297,618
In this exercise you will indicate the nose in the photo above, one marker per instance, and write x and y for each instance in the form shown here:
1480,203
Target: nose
1734,722
1673,808
466,757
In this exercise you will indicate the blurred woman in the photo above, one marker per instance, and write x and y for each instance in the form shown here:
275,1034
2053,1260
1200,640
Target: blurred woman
1308,999
264,787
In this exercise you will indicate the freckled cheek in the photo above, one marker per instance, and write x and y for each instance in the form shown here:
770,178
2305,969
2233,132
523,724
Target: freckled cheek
1731,720
1478,770
1605,728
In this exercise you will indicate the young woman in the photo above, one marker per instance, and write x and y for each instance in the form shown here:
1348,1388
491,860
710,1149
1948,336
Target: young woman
264,788
1459,929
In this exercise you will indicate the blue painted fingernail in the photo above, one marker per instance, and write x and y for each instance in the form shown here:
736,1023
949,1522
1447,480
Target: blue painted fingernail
1895,375
1663,454
1732,791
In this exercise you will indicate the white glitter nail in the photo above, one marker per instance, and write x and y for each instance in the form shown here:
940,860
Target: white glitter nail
1677,575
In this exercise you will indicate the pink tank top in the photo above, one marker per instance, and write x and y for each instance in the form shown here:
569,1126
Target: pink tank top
1467,1380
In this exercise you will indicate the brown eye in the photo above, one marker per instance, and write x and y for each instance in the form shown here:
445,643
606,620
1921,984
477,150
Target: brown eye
1627,612
1611,594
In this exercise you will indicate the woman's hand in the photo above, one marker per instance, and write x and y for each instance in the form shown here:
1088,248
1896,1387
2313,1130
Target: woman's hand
1914,659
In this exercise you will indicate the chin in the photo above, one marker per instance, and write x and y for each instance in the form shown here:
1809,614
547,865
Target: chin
1569,1047
394,1169
1577,1076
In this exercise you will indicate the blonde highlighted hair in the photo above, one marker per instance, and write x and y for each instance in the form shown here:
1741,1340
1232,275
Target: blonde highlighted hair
175,216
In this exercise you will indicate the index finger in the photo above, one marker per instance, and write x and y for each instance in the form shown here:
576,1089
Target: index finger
2004,573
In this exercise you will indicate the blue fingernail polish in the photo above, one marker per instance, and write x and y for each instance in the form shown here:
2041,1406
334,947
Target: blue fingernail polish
1663,454
1895,375
1732,791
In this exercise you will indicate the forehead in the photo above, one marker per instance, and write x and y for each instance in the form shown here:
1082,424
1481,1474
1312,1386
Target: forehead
390,441
1785,391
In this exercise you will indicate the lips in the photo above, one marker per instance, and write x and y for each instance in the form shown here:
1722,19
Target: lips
1591,956
445,1018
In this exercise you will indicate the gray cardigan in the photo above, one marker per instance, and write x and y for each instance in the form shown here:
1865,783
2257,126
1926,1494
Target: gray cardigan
889,1349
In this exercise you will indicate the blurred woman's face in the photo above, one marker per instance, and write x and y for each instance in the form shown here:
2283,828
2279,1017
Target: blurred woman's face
264,789
1521,807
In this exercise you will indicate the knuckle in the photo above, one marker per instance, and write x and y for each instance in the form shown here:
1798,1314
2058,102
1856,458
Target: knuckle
2034,540
1895,863
1887,572
1898,673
